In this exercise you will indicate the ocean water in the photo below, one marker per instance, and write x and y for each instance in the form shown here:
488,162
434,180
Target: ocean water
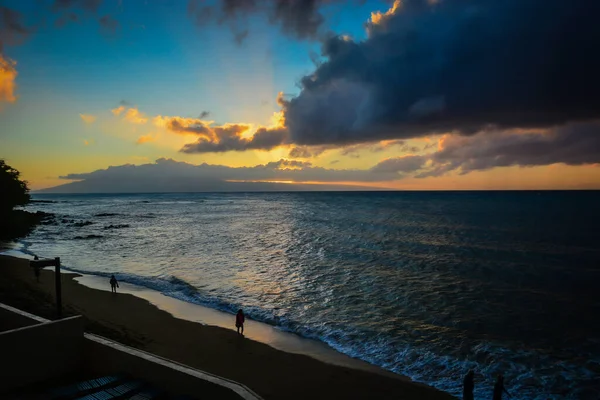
425,284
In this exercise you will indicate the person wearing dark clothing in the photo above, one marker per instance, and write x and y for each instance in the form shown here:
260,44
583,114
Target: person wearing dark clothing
239,321
499,388
114,284
36,269
468,385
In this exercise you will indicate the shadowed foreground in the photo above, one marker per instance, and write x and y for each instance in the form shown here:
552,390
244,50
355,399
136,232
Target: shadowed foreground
133,321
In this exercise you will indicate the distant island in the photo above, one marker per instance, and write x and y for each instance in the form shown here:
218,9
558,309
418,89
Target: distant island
169,176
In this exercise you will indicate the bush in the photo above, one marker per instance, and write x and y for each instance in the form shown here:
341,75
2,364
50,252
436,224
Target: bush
13,191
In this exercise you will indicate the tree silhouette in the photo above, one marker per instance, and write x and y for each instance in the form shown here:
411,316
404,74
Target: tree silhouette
14,190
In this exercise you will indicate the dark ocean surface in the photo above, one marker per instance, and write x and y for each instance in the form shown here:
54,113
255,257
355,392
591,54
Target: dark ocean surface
426,284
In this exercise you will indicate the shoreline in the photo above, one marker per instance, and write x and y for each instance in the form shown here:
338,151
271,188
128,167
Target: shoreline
137,322
255,330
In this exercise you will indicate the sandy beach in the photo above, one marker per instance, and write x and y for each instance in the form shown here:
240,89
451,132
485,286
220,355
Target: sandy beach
136,322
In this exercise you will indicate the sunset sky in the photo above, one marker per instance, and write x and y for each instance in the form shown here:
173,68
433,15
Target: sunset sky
413,94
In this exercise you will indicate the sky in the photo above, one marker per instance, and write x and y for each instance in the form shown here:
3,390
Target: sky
405,94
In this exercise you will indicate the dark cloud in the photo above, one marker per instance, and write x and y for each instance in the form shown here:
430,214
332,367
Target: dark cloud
573,144
87,5
12,28
65,19
109,24
228,138
13,31
300,19
308,151
184,125
453,65
351,150
401,164
239,37
373,147
204,114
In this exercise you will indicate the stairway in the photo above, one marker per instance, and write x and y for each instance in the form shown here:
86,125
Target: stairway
113,387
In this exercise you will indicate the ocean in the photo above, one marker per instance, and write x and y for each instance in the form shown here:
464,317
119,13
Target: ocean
425,284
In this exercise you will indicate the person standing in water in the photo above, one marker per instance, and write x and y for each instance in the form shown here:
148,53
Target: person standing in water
468,385
114,284
499,388
239,321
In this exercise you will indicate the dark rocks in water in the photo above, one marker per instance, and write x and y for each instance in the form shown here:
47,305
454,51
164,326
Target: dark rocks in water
46,218
82,223
43,201
594,367
19,223
88,237
106,214
117,226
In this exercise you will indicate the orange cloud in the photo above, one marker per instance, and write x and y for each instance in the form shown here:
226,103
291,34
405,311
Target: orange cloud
145,139
183,125
8,75
88,118
134,116
117,111
130,114
378,17
226,137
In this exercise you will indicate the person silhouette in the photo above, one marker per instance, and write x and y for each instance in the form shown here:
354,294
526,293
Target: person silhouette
468,385
114,284
36,270
499,388
239,321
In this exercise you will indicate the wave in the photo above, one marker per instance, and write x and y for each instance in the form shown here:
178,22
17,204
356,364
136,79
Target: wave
150,215
88,237
419,362
80,224
527,369
106,214
116,226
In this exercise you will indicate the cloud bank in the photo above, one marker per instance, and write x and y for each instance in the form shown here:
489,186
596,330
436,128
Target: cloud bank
572,144
299,19
12,29
453,66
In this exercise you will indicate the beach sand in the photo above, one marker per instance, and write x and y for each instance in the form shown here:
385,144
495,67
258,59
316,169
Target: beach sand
272,373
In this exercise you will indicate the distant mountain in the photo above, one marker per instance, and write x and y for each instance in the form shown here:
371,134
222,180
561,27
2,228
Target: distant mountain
189,185
168,176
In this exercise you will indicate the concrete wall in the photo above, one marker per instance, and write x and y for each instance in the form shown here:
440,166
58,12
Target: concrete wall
40,352
12,318
104,356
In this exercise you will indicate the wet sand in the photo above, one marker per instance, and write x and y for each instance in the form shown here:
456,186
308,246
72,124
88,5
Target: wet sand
197,336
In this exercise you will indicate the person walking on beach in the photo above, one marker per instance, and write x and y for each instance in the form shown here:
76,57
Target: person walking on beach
239,321
36,270
468,385
114,284
499,388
